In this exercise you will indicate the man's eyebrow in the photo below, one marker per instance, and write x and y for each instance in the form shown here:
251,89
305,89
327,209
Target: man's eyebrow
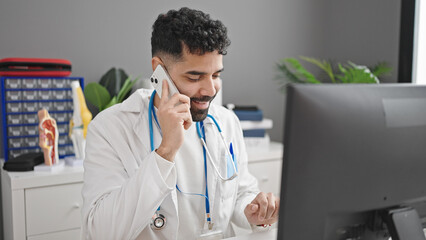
202,73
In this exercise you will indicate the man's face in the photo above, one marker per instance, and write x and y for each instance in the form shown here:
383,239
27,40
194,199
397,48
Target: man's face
197,76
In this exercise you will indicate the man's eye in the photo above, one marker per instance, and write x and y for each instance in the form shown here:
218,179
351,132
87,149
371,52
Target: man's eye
193,79
215,76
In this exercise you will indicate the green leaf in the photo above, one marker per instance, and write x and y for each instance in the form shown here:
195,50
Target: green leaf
127,87
343,77
324,65
123,91
97,95
286,73
111,103
380,69
364,74
113,80
353,73
285,76
301,71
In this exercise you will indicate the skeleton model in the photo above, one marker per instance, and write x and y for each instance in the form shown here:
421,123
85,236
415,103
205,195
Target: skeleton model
48,137
80,120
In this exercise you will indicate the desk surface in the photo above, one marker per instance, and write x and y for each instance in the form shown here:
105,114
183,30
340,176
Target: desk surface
21,180
75,174
266,235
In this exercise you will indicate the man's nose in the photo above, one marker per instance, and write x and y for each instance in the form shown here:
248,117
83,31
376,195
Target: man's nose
208,87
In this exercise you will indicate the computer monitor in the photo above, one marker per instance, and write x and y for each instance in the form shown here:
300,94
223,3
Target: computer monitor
354,164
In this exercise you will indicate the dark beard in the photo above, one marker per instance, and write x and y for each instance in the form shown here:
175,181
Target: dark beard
199,115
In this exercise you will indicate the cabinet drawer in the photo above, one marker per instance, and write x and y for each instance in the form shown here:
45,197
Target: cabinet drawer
53,208
64,235
268,174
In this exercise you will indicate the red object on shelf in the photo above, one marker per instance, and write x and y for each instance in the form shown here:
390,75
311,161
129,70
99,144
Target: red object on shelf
35,67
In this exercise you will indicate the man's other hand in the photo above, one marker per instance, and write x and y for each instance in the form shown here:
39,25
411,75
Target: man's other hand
263,209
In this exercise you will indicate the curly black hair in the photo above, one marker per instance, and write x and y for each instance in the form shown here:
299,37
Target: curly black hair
193,28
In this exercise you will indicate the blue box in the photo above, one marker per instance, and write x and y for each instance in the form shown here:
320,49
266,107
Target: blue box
21,98
260,133
248,115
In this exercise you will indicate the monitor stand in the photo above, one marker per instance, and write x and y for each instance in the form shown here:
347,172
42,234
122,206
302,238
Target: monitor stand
404,224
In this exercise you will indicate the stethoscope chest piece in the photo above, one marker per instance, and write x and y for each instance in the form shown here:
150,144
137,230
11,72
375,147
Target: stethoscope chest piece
158,221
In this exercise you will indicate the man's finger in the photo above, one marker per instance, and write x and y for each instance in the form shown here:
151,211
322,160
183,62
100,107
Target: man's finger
165,90
271,205
183,108
187,120
187,124
263,205
179,98
277,208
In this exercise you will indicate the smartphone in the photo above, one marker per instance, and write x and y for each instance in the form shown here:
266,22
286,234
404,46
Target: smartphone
157,78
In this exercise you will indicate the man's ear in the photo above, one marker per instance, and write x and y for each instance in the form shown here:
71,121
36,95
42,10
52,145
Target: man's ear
155,61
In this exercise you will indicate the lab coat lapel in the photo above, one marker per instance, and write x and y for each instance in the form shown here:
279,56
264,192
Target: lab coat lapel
212,178
141,130
138,103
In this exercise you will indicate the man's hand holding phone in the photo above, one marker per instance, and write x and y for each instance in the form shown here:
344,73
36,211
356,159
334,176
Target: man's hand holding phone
174,117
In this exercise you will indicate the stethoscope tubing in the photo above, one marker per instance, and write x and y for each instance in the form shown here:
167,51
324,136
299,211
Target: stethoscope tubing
151,134
211,158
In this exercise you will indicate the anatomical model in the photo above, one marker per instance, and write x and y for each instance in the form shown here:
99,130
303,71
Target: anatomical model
48,137
80,120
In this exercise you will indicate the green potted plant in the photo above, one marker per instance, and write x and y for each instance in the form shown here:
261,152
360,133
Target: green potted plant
114,87
290,70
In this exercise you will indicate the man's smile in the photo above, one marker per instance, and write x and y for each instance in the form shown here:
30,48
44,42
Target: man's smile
201,104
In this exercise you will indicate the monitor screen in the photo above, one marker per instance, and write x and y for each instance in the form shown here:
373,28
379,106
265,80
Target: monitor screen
354,157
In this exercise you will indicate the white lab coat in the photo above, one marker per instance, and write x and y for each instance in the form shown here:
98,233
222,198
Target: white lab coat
123,184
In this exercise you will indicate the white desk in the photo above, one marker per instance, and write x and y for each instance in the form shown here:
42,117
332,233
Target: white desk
265,165
267,235
41,205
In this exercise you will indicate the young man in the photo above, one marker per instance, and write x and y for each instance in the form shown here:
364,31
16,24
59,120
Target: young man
152,178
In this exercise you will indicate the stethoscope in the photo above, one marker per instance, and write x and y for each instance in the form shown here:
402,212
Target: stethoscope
158,220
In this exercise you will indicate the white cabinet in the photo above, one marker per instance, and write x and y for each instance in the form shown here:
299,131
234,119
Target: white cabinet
53,208
69,234
265,164
39,205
